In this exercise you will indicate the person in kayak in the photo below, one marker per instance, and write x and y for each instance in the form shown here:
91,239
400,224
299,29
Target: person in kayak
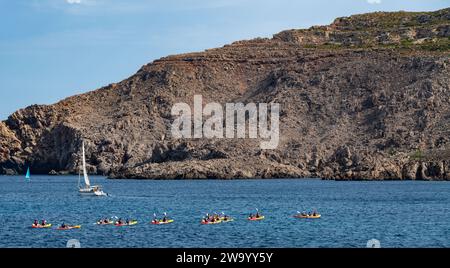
36,223
205,220
155,219
43,222
208,218
63,226
120,222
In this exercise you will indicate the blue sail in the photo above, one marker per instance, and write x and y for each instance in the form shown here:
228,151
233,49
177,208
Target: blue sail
28,176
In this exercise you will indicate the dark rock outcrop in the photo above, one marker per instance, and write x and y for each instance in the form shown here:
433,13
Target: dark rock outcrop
364,98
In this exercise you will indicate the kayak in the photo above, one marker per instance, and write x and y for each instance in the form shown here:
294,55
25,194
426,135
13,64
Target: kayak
162,222
308,217
69,227
257,219
211,222
126,224
102,223
41,226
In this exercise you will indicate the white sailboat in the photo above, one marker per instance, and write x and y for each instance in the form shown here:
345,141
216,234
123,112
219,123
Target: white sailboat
88,189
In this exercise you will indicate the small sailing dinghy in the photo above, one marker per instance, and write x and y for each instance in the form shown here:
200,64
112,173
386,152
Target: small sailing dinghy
28,176
88,189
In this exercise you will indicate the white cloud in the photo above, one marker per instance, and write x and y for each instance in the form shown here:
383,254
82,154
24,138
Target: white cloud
73,2
372,2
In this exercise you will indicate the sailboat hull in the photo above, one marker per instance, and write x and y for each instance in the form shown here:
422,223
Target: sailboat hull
92,192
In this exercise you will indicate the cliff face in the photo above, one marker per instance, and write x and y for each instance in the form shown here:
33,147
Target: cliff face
367,97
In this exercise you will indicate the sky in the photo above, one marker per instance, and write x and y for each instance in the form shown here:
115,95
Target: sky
52,49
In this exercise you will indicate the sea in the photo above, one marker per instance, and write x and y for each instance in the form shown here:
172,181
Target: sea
394,214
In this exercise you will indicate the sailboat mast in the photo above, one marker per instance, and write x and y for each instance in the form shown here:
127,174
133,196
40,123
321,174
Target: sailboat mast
79,177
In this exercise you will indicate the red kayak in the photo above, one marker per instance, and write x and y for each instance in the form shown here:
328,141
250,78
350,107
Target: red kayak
260,218
69,227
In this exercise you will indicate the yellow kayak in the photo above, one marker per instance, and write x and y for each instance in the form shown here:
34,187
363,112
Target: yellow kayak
39,226
162,222
126,224
69,227
318,216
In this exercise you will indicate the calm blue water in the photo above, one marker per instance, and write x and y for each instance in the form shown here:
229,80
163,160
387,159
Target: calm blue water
399,214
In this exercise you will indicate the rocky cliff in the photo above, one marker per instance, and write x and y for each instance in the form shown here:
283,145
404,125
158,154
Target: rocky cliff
367,97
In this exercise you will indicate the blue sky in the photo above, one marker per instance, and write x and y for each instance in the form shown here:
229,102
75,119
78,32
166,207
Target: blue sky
52,49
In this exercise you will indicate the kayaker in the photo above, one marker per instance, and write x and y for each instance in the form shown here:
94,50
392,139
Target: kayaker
36,223
63,225
43,222
120,221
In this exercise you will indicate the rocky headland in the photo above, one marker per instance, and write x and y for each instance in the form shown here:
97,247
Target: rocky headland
366,97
